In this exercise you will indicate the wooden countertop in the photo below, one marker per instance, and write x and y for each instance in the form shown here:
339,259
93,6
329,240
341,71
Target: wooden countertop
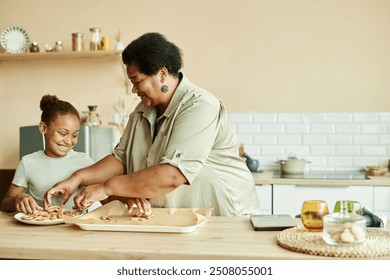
266,178
219,238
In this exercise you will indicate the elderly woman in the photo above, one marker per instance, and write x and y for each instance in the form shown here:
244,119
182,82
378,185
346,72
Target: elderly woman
178,149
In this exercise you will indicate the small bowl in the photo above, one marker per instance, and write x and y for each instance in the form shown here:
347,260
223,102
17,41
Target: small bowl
376,170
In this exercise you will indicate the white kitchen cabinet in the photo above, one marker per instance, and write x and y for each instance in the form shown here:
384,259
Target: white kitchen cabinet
288,199
382,200
264,194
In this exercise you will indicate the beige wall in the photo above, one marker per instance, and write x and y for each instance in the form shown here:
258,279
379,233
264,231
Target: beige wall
256,55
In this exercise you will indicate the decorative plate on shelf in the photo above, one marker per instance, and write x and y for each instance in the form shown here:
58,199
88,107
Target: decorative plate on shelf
15,40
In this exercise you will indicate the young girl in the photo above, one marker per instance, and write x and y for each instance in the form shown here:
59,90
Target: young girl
39,171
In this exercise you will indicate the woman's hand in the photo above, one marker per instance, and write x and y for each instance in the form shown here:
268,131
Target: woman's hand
142,204
66,188
89,195
26,203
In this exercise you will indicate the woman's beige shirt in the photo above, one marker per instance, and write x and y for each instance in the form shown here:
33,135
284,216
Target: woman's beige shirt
194,135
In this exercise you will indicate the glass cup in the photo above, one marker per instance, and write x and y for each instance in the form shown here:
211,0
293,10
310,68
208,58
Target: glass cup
312,214
352,207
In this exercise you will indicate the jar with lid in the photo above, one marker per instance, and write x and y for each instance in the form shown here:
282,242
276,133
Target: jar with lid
93,118
95,38
34,47
77,42
344,228
58,46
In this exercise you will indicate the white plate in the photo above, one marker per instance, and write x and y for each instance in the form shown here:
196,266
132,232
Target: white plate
137,228
19,217
15,40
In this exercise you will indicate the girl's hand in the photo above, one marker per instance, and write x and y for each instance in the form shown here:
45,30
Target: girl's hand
26,203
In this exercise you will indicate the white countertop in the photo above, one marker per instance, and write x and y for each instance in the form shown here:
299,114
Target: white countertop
219,238
266,178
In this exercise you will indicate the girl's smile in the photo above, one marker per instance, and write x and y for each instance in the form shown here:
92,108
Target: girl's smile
60,135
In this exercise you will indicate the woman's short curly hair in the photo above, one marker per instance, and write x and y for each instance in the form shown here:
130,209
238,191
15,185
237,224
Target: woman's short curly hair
152,51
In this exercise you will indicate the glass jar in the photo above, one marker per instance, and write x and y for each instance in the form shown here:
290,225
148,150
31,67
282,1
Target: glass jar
77,42
105,44
93,118
95,38
344,228
58,46
34,47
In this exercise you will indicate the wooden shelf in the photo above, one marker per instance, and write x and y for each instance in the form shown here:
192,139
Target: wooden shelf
58,55
41,56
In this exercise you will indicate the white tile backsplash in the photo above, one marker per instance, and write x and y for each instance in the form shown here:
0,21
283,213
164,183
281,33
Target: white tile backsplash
328,150
314,118
272,128
366,139
336,139
297,128
248,128
348,128
265,139
289,118
384,117
314,139
374,128
331,141
384,139
339,117
365,117
322,129
348,150
290,139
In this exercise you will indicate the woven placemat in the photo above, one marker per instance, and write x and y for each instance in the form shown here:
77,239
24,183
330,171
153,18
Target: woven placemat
298,239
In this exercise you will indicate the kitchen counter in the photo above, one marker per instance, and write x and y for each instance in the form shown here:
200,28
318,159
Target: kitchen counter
219,238
267,178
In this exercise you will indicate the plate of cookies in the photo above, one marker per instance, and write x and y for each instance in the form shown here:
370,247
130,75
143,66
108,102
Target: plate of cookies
52,216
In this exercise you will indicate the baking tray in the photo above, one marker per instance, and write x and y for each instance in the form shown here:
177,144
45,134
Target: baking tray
169,220
140,228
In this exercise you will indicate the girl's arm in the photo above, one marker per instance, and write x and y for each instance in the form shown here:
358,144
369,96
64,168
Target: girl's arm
17,200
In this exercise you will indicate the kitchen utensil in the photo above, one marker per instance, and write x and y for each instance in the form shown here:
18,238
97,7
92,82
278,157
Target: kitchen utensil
253,164
312,213
344,227
292,165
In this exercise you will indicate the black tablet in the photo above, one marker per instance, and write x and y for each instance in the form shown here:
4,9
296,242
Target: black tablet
272,222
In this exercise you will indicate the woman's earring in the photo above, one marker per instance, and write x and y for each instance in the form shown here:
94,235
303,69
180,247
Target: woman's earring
164,88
